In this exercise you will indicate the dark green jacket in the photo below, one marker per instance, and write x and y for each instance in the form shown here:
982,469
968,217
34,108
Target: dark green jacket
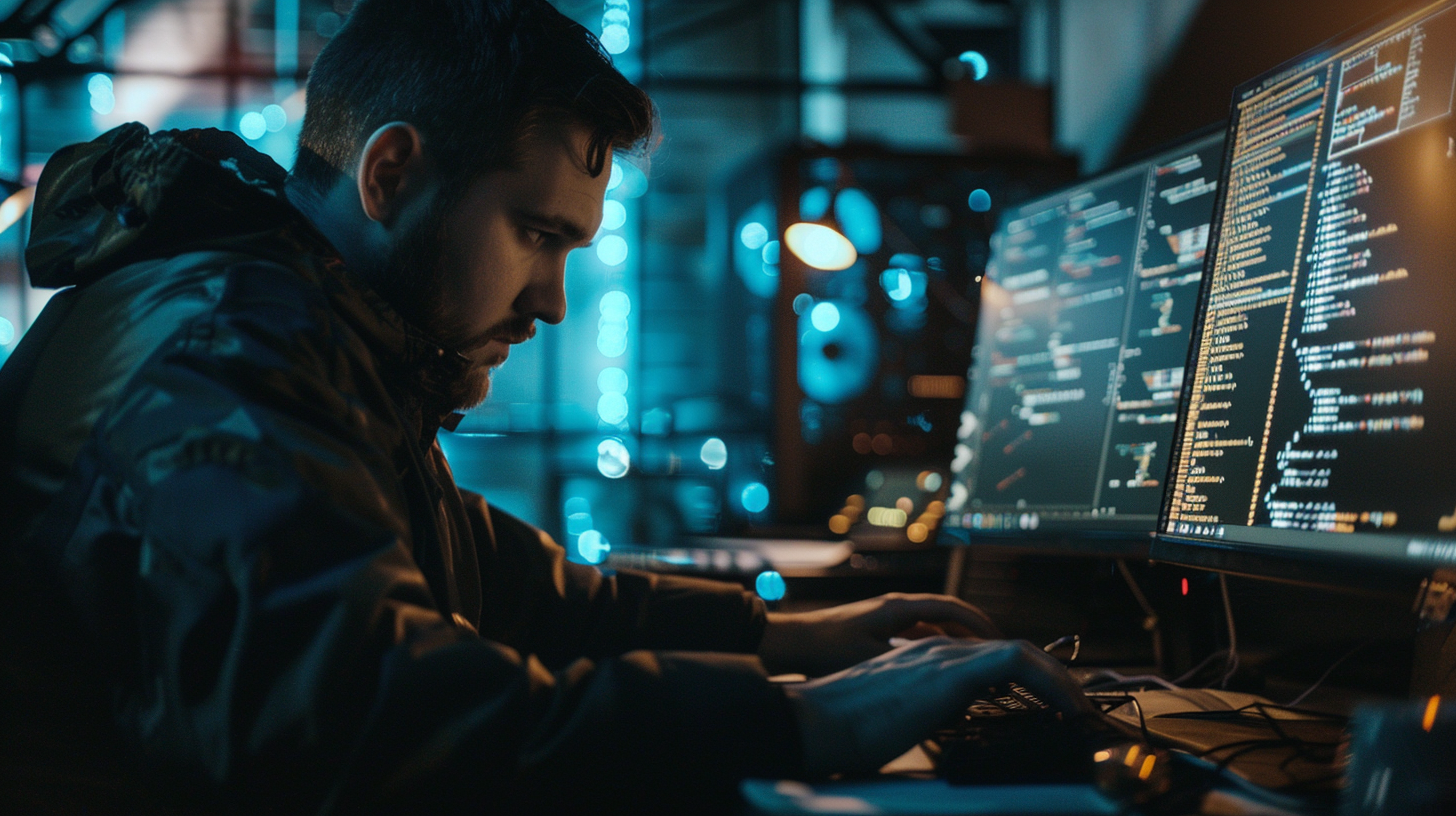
254,577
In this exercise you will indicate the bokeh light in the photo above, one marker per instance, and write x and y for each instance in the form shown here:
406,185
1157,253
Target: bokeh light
980,200
612,380
612,250
614,215
613,460
714,453
252,126
824,316
754,497
770,585
593,547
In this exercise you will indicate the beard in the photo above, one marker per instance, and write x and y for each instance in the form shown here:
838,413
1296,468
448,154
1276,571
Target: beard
412,280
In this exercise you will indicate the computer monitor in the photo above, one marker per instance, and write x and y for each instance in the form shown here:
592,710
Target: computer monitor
1320,410
1086,314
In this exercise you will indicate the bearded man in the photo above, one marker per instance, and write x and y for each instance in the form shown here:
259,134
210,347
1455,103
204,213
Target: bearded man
247,580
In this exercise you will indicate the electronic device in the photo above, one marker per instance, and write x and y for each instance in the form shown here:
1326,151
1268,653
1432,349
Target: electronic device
1086,315
1320,413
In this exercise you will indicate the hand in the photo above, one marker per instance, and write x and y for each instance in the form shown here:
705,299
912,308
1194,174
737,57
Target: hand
827,640
859,719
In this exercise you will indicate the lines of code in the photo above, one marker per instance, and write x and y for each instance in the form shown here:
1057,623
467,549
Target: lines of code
1087,311
1320,398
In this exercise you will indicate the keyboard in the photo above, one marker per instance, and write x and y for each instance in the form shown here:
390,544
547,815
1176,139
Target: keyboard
1010,737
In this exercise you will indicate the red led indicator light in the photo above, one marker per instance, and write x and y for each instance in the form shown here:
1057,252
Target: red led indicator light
1185,586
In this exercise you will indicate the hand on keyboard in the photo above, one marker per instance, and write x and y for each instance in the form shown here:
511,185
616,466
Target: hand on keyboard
862,717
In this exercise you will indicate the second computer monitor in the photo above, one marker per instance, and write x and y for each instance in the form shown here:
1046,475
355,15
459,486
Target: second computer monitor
1086,315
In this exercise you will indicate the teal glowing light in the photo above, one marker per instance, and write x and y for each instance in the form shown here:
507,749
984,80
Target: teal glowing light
714,453
754,497
814,203
824,316
802,301
613,460
615,179
7,332
859,220
275,118
616,38
612,408
615,305
753,235
612,250
593,547
770,585
252,126
976,62
980,200
612,380
614,215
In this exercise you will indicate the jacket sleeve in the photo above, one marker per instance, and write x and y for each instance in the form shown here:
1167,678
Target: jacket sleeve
237,547
539,602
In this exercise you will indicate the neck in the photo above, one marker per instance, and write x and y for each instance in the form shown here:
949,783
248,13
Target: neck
336,213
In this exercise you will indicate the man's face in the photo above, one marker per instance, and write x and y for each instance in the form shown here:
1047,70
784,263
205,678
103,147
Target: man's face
492,264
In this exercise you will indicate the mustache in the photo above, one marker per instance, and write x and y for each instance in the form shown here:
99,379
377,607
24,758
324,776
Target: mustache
512,330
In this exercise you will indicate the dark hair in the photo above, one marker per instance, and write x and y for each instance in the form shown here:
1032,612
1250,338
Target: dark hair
474,76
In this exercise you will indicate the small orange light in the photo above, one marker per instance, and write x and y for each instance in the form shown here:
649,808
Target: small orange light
1102,756
1185,587
1147,769
1132,754
1430,721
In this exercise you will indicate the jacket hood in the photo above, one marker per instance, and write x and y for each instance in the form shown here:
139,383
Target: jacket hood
131,195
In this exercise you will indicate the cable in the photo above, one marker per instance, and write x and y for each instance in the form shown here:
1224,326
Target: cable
1152,623
1120,679
1231,665
1323,677
1188,675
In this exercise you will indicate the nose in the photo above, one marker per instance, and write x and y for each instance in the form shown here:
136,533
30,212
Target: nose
545,297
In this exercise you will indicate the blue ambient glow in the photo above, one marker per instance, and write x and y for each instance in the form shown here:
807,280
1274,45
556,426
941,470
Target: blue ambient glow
859,219
714,453
976,61
612,408
7,332
613,461
615,305
252,126
770,585
616,39
275,118
593,547
814,203
980,200
753,235
824,316
614,215
612,250
612,380
754,497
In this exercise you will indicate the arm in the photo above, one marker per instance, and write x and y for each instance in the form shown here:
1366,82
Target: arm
539,602
236,543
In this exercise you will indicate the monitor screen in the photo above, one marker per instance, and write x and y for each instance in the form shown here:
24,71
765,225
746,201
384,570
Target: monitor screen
1086,313
1321,408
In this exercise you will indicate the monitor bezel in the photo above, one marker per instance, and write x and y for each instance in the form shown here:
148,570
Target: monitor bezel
1298,565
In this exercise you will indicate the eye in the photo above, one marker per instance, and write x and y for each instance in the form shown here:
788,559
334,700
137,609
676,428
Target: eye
534,236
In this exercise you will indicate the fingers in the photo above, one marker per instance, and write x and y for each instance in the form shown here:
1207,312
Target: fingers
940,610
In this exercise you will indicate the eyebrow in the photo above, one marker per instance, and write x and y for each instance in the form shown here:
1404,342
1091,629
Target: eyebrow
572,231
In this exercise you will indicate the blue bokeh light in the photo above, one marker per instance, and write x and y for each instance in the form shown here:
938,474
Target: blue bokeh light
7,332
714,453
824,316
838,365
612,408
593,547
859,220
802,301
753,235
754,497
616,38
770,585
612,250
614,179
615,305
814,203
275,118
612,380
252,126
976,61
613,460
614,215
980,200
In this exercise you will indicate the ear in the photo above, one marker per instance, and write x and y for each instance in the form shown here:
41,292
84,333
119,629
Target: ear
392,170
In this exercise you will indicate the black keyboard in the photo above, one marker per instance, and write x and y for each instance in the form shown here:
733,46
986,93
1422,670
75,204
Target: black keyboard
1010,736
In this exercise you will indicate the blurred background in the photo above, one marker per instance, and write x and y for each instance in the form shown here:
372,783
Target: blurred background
719,374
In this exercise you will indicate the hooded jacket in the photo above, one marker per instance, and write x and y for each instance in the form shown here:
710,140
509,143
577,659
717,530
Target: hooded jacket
248,579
